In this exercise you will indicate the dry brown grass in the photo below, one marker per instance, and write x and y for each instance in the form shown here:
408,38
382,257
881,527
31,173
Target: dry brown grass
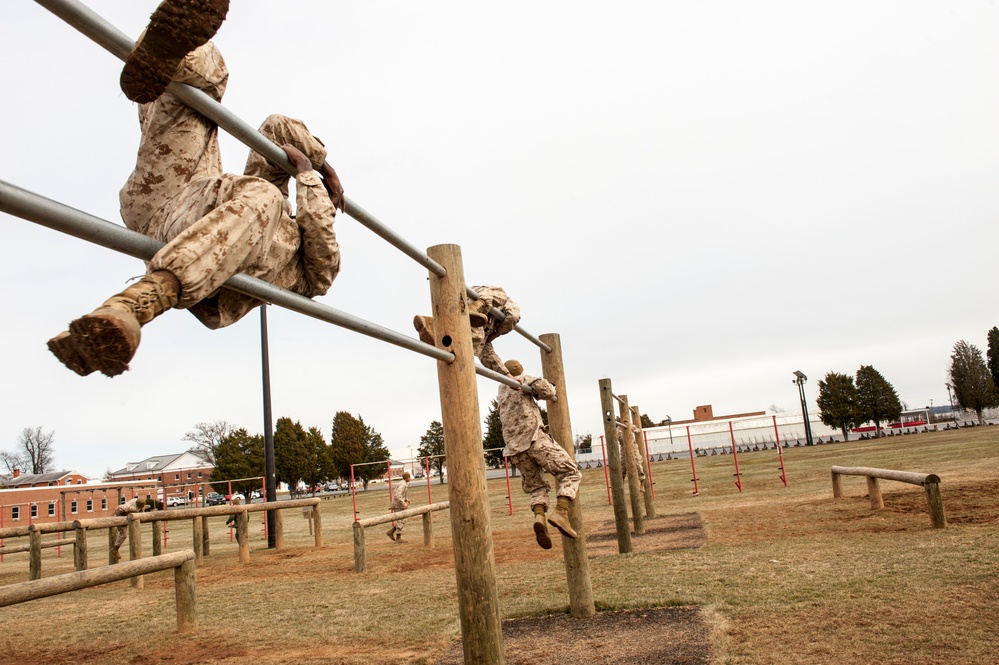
784,575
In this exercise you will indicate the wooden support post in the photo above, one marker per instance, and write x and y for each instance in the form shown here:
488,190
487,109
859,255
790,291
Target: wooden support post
935,501
206,544
184,577
650,502
317,524
157,538
614,468
111,534
874,492
278,529
307,514
577,565
243,536
80,549
428,530
628,452
35,553
837,482
197,540
475,564
360,564
135,547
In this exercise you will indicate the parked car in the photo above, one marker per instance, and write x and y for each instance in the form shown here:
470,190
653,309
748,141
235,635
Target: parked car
214,499
255,494
176,501
233,497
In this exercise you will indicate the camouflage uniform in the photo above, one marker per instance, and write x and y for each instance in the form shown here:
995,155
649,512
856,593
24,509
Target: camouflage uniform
217,224
400,501
489,297
637,454
529,446
135,505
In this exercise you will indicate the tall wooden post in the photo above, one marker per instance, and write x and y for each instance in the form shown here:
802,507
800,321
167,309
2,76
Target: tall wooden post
360,561
650,501
577,565
475,563
278,529
242,536
628,451
80,549
317,524
198,542
157,538
135,547
34,553
112,531
206,545
428,530
184,577
614,467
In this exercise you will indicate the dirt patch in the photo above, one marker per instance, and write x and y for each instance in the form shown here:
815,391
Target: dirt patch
655,636
968,503
666,532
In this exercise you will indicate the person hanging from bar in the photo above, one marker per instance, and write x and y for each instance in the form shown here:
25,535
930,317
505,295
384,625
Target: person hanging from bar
533,451
400,501
485,326
637,453
135,505
214,224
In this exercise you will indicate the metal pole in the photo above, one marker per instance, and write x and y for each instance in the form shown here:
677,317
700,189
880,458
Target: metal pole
800,380
509,493
603,450
735,456
780,453
270,468
693,468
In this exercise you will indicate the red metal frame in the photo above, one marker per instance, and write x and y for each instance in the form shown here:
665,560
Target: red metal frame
693,467
735,456
603,451
648,457
780,453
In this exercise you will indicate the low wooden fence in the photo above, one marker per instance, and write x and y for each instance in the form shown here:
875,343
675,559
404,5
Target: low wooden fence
929,481
360,561
183,580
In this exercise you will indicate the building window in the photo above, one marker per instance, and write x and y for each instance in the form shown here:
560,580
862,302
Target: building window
72,507
79,481
104,504
15,513
188,475
176,476
34,511
199,474
52,509
90,505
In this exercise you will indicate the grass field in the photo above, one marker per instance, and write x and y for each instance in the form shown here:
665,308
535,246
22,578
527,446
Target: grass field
786,575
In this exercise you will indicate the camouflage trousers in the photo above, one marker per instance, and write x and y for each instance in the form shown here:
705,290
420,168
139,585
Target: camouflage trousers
398,524
120,536
545,455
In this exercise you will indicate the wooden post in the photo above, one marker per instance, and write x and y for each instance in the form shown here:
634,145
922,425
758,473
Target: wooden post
837,482
628,452
874,491
135,547
184,577
577,565
935,501
475,564
111,534
317,524
614,468
359,560
35,553
278,529
428,530
307,514
157,538
197,540
80,549
650,502
242,536
206,545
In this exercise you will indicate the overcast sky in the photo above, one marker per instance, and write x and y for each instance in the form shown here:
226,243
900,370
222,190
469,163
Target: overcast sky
699,197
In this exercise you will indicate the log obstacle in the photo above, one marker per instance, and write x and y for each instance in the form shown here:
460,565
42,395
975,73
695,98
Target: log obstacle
930,482
360,560
184,583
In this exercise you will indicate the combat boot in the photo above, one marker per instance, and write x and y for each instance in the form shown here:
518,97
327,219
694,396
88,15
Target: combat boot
175,28
425,327
107,338
478,313
560,517
391,533
541,528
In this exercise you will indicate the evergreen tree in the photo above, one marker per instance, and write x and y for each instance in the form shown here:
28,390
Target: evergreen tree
969,375
877,400
238,455
316,455
993,355
493,437
347,443
374,451
837,402
292,460
432,446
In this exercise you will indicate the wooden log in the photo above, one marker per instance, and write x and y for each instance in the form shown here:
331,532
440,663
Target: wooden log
12,594
837,484
197,540
618,498
17,549
111,537
101,522
628,452
35,555
874,493
404,514
135,548
55,527
278,530
206,545
428,529
317,524
14,532
888,474
935,501
80,549
475,565
243,536
360,563
157,537
185,589
577,566
650,503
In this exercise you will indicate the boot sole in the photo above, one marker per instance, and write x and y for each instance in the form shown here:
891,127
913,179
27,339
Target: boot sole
564,529
103,342
541,535
64,347
175,29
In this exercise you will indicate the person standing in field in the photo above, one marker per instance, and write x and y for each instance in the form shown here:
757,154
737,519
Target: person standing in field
135,505
400,502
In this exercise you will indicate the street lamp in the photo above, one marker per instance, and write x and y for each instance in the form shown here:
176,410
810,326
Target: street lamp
669,423
950,398
800,380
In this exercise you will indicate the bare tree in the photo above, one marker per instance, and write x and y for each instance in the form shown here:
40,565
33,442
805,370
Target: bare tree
35,450
207,437
777,410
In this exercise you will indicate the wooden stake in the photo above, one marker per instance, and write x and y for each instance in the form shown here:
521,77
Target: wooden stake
628,451
135,548
650,502
618,499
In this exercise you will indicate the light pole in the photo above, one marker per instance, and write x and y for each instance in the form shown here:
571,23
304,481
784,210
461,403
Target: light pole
950,398
800,380
669,424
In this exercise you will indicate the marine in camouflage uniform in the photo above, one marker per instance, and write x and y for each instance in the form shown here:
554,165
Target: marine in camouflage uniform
533,451
215,224
637,454
135,505
400,501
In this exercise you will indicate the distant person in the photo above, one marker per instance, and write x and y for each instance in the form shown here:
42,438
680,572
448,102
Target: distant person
214,224
533,451
400,502
636,453
233,521
135,505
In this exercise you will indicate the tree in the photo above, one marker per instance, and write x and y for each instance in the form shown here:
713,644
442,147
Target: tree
838,402
777,410
877,400
969,375
432,446
315,466
13,461
493,437
291,453
239,455
647,422
374,451
347,441
34,452
207,437
993,355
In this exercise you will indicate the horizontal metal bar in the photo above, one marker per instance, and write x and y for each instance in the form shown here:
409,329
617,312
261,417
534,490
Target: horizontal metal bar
500,316
620,401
